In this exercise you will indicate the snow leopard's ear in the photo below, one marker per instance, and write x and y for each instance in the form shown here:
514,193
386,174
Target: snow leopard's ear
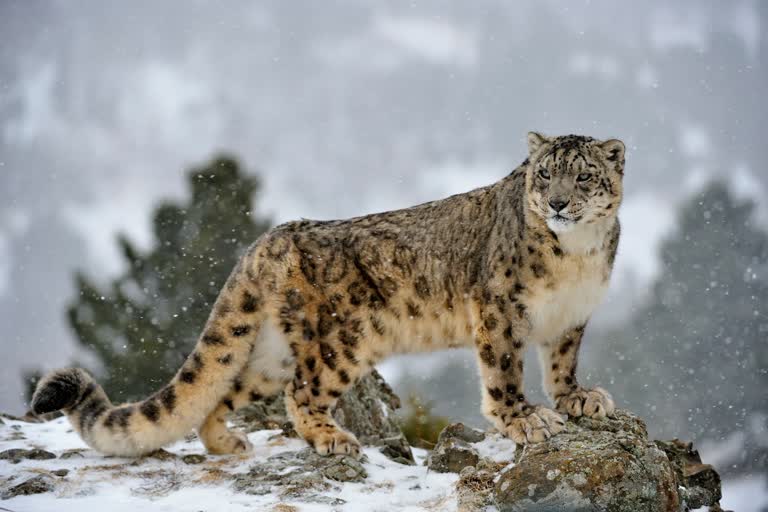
614,154
535,141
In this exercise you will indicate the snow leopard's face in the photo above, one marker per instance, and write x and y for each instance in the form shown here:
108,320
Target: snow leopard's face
574,180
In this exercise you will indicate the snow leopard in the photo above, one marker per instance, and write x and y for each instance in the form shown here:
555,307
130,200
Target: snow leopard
313,305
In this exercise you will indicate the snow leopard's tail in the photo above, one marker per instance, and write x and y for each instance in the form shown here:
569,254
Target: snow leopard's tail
183,404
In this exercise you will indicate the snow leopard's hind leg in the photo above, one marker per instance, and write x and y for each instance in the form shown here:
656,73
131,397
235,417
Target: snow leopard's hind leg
330,357
266,374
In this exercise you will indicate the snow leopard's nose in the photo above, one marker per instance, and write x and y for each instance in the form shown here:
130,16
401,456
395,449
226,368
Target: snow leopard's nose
558,204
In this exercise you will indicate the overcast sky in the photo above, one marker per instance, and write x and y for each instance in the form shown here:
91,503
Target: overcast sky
344,108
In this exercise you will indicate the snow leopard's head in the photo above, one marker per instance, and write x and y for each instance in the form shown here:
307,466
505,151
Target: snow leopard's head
574,180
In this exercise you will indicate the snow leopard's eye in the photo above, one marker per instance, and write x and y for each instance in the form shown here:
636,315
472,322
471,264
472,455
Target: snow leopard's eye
543,174
583,177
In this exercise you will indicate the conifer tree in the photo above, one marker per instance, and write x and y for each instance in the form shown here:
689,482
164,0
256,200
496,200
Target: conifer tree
694,359
143,324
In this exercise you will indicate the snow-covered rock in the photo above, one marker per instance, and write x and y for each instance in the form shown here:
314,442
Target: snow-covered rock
608,465
282,474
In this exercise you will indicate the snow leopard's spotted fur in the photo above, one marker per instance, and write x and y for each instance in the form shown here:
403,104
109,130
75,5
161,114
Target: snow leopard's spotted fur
314,305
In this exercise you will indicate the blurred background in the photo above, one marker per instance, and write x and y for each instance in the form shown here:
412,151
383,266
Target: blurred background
143,144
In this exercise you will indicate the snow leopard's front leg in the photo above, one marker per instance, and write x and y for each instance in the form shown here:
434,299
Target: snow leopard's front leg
500,351
559,361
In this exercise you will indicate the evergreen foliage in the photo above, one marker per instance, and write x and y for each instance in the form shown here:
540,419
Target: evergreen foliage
143,324
694,358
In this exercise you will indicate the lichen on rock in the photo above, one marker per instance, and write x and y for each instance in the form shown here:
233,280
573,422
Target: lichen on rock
36,485
606,465
453,451
16,455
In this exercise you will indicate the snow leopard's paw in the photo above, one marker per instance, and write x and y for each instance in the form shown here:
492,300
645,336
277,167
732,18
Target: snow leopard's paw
229,442
594,403
330,441
539,425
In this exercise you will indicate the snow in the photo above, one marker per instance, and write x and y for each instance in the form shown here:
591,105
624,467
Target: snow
748,494
645,221
496,447
745,494
694,141
95,480
606,67
433,40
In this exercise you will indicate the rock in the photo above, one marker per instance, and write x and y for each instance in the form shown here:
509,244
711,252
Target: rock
27,418
397,449
698,483
268,414
303,475
452,455
156,483
16,455
35,485
367,410
607,465
474,490
14,435
463,432
281,507
161,454
295,483
72,453
453,451
343,468
193,458
31,417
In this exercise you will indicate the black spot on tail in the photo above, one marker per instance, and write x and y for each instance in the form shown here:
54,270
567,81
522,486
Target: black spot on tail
150,410
61,391
168,398
90,412
193,365
119,417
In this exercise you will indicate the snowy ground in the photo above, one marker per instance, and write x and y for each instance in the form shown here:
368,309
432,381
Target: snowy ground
150,484
94,481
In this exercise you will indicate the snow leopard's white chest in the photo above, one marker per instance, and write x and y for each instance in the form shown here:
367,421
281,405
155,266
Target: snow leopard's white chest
566,299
